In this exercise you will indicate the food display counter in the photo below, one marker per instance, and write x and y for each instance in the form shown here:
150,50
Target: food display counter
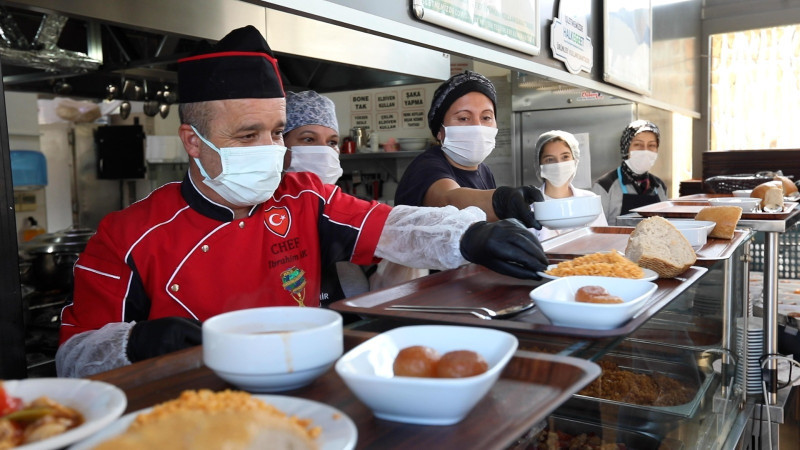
678,356
683,340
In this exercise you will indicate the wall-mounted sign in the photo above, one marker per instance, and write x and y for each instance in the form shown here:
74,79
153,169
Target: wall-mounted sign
414,119
361,120
509,23
360,102
628,37
387,121
569,40
413,98
386,100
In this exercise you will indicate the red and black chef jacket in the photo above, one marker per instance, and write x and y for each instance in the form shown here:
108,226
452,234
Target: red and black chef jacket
177,253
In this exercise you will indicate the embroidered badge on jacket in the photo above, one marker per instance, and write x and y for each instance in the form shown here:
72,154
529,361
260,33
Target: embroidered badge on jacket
278,220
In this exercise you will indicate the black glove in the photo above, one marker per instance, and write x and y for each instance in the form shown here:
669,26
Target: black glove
515,203
155,337
505,247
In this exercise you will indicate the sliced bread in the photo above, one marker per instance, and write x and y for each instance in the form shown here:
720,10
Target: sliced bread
726,218
657,245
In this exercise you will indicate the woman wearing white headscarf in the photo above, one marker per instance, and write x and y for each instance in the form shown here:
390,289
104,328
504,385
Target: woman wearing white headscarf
557,154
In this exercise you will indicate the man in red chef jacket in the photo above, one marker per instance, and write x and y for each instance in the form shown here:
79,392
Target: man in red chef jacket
238,233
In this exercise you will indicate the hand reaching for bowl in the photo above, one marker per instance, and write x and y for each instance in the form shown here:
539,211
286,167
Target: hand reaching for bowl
515,203
156,337
505,247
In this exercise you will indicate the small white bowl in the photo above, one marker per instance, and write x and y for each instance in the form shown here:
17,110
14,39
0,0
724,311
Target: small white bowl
367,371
746,203
272,349
556,300
695,231
742,192
568,212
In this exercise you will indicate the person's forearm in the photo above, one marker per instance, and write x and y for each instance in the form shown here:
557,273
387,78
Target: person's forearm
94,351
426,238
464,197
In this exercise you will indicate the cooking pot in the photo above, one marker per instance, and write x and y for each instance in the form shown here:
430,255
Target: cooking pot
52,257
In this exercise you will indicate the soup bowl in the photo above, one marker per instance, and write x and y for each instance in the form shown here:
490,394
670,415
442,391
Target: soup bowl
568,212
272,349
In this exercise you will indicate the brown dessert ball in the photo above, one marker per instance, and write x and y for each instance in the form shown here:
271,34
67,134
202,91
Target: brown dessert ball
595,294
460,364
416,361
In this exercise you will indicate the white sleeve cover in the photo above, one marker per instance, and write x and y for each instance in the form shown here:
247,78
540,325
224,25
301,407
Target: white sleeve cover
426,238
94,351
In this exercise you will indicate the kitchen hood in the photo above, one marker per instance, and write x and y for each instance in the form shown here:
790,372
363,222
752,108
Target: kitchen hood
81,48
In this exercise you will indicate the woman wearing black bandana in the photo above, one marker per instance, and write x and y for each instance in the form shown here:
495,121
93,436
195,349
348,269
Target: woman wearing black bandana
631,185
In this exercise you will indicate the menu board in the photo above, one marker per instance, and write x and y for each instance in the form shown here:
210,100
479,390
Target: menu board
509,23
628,33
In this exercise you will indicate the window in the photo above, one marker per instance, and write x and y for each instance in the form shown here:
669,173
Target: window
755,89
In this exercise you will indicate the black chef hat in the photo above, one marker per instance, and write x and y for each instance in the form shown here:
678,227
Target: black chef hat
456,87
241,65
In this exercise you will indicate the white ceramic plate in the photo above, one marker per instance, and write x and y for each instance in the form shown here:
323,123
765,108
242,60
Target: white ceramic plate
338,430
649,275
100,403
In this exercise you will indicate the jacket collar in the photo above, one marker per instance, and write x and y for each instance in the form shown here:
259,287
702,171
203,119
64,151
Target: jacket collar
205,206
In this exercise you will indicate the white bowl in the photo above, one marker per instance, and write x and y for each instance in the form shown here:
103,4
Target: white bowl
367,371
272,349
695,231
742,192
746,203
568,212
411,144
556,300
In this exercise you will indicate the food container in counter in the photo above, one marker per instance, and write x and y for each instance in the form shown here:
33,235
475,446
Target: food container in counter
568,429
655,420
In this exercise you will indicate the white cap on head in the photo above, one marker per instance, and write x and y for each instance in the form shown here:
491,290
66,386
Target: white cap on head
544,138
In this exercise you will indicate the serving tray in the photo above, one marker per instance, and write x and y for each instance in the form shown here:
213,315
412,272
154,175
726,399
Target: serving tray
601,239
473,285
687,209
530,387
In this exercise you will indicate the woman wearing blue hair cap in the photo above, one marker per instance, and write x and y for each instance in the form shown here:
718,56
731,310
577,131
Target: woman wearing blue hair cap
631,185
312,135
558,153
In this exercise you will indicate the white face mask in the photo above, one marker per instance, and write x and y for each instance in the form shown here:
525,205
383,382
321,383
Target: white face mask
249,175
319,159
468,145
559,174
641,161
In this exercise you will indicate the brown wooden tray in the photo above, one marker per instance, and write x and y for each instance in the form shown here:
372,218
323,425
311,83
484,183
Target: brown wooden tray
588,240
687,209
473,285
531,387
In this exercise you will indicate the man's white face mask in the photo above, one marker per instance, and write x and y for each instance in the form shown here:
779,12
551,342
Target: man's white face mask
249,175
318,159
641,161
468,145
559,174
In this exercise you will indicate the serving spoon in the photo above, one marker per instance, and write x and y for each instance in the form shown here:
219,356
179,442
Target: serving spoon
477,311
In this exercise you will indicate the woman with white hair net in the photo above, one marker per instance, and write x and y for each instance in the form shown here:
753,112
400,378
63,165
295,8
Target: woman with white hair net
558,154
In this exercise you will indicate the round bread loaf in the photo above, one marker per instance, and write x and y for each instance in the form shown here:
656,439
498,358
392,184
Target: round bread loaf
761,190
789,187
657,245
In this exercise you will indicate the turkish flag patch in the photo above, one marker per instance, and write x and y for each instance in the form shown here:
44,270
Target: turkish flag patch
278,220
